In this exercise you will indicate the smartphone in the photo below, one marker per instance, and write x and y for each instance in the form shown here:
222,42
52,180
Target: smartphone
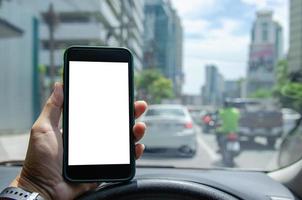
98,115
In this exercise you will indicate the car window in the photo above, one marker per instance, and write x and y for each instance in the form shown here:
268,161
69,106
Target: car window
164,112
236,65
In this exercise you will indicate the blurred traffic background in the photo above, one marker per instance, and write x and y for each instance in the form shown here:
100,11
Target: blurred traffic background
189,59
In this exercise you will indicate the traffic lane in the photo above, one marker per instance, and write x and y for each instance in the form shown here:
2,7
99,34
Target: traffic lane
202,158
255,155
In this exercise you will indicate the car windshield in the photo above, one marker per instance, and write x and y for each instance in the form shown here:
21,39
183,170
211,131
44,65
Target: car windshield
228,71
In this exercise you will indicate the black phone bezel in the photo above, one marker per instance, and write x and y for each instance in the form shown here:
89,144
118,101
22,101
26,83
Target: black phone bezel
96,173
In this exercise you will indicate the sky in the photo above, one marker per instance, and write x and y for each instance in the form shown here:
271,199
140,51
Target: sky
218,32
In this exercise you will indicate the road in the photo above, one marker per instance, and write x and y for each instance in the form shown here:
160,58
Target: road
255,155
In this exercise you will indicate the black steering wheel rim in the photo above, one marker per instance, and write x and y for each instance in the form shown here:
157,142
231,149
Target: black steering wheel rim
155,188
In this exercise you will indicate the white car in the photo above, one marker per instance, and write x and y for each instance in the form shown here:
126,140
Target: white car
169,127
290,118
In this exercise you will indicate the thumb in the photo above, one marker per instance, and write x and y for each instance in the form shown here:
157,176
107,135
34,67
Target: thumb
52,109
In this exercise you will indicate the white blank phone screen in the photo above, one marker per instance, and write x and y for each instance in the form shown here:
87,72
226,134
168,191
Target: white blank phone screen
98,113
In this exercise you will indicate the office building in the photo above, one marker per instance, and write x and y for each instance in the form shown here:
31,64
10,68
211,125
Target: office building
295,44
92,22
213,89
191,100
266,49
232,89
27,53
163,38
18,42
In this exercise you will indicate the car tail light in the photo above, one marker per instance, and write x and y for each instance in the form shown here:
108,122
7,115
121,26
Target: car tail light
232,136
189,125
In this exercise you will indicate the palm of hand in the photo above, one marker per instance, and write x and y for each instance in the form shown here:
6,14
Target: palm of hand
42,169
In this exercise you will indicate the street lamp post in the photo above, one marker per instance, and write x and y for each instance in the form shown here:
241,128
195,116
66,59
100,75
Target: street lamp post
51,19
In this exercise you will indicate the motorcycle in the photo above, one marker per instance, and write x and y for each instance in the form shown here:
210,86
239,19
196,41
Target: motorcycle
229,147
209,123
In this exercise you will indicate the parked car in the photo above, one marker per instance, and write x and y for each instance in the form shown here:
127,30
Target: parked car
290,118
170,127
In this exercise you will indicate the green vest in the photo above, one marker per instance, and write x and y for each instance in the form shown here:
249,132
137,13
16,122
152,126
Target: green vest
229,120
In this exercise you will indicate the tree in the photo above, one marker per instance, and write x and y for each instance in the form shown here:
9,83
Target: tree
292,96
261,94
286,90
161,88
281,80
282,77
152,86
282,72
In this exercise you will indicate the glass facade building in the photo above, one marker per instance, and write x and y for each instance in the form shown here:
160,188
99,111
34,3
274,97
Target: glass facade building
266,49
163,40
295,48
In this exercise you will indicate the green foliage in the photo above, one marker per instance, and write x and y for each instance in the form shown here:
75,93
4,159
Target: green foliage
161,88
42,69
293,90
282,72
152,86
261,94
289,93
292,96
281,77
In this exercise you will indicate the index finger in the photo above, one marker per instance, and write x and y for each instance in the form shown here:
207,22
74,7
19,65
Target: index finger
139,108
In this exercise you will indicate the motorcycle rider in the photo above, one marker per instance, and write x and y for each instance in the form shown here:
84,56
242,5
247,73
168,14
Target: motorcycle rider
229,119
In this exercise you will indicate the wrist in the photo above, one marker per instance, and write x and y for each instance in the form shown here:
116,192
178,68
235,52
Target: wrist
28,185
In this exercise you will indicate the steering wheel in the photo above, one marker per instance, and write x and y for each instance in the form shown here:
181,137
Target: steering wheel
153,189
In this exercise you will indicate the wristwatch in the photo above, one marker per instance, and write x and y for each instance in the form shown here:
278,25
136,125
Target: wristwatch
16,193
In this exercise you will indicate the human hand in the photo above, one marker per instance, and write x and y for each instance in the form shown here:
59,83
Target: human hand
42,168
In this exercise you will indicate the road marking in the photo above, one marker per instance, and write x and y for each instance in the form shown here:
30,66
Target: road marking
213,155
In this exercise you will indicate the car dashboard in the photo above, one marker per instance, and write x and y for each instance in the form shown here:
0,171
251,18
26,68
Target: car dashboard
247,185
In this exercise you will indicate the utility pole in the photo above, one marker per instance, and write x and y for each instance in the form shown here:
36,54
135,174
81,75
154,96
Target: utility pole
52,21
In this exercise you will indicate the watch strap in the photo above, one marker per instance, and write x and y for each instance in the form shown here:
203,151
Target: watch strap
19,194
